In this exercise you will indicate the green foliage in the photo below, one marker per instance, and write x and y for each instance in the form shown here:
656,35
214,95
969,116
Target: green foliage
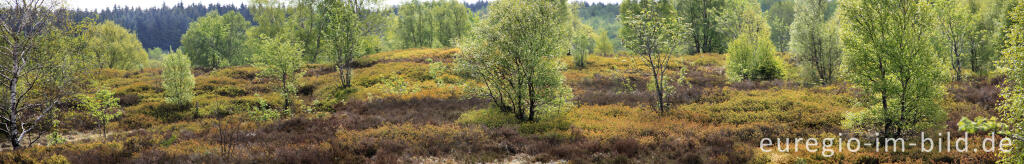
603,44
969,35
432,24
952,23
216,40
780,16
751,54
982,124
752,57
703,16
549,122
307,22
41,67
891,57
156,53
652,30
272,19
342,24
985,40
178,81
815,42
262,111
583,40
513,51
282,60
109,45
102,107
742,17
602,16
1012,109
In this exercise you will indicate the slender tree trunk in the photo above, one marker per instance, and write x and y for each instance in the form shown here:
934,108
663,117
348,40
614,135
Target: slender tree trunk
12,109
284,87
15,142
885,99
103,127
532,100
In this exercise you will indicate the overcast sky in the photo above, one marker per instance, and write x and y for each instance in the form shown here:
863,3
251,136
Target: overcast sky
100,4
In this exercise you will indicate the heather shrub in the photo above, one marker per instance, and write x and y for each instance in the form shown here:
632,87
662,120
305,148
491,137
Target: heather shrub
334,91
245,73
548,123
706,59
407,55
370,76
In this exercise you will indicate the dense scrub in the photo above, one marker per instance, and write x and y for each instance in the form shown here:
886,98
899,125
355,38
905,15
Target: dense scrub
407,107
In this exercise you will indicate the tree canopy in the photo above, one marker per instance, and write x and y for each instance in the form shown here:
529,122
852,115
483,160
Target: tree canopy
890,54
513,50
281,60
177,79
342,24
216,40
815,42
653,31
109,45
432,24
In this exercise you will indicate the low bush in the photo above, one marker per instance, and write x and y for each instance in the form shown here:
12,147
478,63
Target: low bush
408,55
706,59
244,73
784,108
551,124
984,92
414,110
230,91
370,76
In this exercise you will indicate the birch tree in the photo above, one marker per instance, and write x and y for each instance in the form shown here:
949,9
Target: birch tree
178,80
889,54
281,60
514,51
815,41
653,32
37,66
342,24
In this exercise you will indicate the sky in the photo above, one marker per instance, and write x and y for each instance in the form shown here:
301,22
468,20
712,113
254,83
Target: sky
101,4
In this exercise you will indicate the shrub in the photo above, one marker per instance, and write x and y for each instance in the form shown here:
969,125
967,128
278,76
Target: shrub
281,60
102,107
127,99
370,76
508,68
99,50
230,91
752,57
178,81
418,110
407,55
336,92
549,123
247,73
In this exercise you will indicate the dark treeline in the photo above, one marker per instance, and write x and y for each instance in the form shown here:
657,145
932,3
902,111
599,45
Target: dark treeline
477,6
163,26
159,26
